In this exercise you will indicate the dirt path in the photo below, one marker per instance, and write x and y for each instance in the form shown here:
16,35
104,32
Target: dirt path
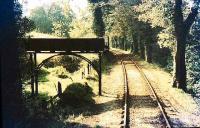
108,109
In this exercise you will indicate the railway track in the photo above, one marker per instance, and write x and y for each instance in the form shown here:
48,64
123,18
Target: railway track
125,109
126,114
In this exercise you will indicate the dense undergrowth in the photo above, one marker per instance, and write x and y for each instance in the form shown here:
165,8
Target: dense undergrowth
45,111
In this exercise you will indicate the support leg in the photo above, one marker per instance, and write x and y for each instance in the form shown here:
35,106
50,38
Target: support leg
36,82
100,74
88,67
32,74
108,43
36,74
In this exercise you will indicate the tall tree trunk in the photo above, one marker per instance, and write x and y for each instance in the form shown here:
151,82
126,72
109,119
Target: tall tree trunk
135,44
10,85
181,29
114,43
180,67
125,43
118,42
141,45
122,43
148,53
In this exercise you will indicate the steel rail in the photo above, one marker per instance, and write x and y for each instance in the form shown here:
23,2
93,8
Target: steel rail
154,93
125,109
168,125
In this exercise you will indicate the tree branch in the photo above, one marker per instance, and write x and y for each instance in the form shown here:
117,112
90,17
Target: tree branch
191,18
178,12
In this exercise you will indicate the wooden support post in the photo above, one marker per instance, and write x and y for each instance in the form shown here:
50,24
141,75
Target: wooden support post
88,67
59,89
32,74
36,82
36,74
100,75
108,43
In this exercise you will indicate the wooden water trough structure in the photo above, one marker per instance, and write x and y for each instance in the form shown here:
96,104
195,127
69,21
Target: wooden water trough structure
62,46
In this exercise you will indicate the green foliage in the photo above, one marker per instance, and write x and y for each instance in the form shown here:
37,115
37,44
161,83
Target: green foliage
149,23
61,19
56,20
98,23
108,59
107,62
38,114
193,64
42,75
119,21
162,57
61,72
82,27
18,19
154,12
27,25
71,64
76,95
41,20
193,59
36,106
25,65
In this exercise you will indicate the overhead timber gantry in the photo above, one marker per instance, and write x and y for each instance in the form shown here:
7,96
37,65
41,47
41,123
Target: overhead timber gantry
62,46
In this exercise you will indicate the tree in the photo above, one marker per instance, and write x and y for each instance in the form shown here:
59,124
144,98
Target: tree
170,17
27,25
82,26
182,28
151,14
61,18
11,89
98,23
41,20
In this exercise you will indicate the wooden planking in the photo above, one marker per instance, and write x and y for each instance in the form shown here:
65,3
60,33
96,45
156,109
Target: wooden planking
63,44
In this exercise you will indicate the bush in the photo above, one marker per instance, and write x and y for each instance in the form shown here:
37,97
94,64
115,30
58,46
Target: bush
108,59
71,64
77,94
193,68
37,106
42,75
60,72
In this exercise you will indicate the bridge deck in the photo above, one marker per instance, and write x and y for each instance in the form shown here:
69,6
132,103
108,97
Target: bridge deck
86,45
